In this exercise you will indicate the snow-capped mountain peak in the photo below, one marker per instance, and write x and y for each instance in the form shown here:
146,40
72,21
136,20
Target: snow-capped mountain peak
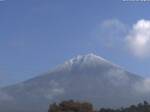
88,59
84,77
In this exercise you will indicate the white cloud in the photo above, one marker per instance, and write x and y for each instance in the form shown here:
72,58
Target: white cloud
138,39
143,87
116,35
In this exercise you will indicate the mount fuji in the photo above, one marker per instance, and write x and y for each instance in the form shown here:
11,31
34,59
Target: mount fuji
85,78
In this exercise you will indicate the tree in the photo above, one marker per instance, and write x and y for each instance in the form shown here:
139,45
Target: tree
75,106
71,106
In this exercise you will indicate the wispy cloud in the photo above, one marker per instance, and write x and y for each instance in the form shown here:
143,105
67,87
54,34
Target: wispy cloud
55,89
111,32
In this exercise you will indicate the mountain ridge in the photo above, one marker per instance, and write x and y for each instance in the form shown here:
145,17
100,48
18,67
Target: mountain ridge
87,77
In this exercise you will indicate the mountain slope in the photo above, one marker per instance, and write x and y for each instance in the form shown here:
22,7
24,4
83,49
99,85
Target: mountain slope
87,77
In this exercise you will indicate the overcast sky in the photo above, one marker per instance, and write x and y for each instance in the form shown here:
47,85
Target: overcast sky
37,35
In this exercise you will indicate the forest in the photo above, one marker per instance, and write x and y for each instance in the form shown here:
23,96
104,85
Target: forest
76,106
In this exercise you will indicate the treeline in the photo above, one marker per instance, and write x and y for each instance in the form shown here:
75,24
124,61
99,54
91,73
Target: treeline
75,106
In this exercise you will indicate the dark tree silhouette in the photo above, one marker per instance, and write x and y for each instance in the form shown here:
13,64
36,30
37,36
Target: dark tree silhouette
71,106
75,106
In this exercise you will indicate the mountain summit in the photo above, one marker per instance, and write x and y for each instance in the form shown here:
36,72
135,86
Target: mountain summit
87,58
85,77
84,62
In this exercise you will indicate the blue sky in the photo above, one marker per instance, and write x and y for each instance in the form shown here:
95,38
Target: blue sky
37,35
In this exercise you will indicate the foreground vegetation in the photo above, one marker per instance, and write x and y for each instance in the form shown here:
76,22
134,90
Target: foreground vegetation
75,106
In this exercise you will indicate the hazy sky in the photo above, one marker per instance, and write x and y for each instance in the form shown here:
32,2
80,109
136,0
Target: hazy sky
37,35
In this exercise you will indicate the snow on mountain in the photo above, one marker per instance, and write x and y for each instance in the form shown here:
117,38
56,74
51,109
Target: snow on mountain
85,77
86,60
